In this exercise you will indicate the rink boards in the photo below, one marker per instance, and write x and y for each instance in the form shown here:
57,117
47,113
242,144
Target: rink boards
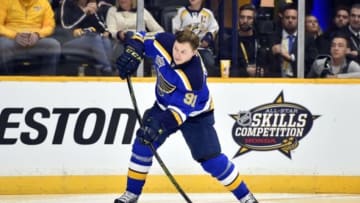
73,135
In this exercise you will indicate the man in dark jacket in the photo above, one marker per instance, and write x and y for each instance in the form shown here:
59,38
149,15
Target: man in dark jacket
284,46
352,31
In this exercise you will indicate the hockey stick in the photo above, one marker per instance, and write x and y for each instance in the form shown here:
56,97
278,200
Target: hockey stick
160,161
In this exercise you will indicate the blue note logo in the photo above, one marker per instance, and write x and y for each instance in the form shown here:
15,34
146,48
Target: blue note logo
278,125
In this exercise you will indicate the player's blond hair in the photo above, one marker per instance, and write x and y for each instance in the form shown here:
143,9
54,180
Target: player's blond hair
188,36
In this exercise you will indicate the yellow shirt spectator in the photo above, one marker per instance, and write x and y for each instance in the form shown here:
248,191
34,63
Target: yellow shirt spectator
26,16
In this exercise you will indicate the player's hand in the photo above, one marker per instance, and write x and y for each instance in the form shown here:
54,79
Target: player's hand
128,35
128,62
125,35
151,131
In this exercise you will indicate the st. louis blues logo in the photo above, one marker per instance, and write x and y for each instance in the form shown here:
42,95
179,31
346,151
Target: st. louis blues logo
274,126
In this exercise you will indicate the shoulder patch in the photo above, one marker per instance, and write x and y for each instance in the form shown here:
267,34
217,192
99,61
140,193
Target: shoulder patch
164,86
159,61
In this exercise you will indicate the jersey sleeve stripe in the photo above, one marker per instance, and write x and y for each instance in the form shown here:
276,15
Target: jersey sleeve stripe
138,37
162,51
211,104
178,114
208,107
177,117
184,79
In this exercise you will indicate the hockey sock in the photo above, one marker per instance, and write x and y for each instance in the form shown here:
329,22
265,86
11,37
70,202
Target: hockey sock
140,163
225,171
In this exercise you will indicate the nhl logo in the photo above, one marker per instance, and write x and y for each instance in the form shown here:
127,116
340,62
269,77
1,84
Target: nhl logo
274,126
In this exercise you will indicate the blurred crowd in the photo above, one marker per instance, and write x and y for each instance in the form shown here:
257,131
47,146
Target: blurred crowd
84,37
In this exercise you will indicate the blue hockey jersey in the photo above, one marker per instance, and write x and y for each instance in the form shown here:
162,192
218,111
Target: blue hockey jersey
180,89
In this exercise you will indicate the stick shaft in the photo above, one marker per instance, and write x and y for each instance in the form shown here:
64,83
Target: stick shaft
158,158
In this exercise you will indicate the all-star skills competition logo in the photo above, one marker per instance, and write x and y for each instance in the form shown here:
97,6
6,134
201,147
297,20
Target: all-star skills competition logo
274,126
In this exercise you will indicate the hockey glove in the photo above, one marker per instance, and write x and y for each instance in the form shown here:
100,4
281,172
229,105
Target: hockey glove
209,38
129,35
151,131
128,62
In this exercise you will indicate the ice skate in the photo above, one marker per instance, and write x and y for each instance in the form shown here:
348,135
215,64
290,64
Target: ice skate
249,198
127,197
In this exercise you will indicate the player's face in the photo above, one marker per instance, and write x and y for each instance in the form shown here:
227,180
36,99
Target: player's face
338,48
182,52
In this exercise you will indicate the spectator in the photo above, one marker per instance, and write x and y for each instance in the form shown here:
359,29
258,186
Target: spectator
280,5
90,35
25,27
104,6
121,21
312,27
336,65
284,46
340,20
352,31
247,47
122,18
202,22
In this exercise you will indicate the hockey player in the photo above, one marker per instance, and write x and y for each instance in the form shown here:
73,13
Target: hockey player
183,102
